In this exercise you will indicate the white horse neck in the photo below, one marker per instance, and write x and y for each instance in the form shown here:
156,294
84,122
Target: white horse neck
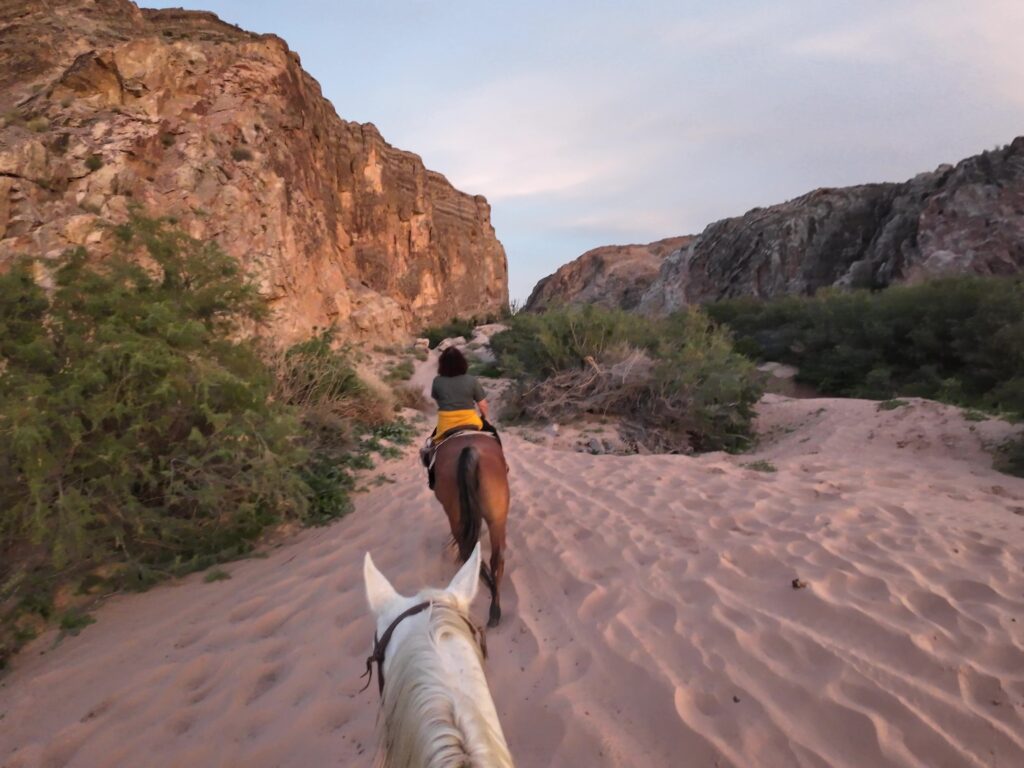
437,708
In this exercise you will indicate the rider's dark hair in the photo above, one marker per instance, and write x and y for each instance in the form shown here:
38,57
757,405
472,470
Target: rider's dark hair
452,363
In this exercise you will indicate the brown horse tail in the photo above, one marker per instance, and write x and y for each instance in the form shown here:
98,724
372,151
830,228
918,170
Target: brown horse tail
470,515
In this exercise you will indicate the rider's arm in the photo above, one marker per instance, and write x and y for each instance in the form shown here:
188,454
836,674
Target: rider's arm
482,405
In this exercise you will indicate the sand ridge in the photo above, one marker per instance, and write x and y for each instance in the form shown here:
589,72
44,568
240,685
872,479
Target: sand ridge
650,617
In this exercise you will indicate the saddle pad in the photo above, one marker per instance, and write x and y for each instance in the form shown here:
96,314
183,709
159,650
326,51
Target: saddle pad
460,433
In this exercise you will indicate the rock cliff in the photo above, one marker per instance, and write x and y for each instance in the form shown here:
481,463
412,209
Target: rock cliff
105,106
612,276
967,219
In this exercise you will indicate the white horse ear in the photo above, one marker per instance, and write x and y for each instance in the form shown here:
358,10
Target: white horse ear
379,592
467,580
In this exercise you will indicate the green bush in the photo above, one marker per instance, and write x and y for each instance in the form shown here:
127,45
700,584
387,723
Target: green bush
141,433
400,371
958,340
317,380
677,380
450,330
1010,457
134,428
93,162
538,345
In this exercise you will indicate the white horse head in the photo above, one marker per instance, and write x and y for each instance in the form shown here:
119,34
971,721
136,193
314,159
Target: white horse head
438,711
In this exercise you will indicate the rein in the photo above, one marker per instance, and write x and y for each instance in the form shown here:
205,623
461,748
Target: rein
380,645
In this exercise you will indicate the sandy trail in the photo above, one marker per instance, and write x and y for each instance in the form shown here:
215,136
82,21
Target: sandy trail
650,617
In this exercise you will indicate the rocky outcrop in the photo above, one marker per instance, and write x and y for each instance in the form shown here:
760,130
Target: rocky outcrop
967,219
611,276
106,106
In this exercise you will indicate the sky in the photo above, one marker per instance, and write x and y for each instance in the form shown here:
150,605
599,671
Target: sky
591,122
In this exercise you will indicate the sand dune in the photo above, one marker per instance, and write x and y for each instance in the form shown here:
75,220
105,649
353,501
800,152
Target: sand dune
650,616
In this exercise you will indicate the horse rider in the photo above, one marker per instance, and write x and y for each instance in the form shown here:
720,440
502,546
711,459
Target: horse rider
461,404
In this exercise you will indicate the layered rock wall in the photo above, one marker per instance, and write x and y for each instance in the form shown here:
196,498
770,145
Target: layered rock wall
106,106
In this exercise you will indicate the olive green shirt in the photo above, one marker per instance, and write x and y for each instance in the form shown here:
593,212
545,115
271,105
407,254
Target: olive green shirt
456,393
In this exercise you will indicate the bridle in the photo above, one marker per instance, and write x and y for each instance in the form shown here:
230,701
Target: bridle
380,644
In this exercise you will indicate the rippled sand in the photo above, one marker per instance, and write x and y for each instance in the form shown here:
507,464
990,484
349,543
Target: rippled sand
650,616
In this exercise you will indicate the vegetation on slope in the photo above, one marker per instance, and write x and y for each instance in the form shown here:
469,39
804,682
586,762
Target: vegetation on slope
958,340
142,433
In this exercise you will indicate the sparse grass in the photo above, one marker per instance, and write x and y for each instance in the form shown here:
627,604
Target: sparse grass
487,370
13,117
216,574
72,622
761,466
94,162
892,405
408,396
241,154
972,414
400,371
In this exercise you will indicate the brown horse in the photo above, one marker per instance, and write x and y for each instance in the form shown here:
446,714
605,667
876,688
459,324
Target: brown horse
471,482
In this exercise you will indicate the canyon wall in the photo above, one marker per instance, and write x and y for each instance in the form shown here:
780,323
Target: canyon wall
107,107
956,220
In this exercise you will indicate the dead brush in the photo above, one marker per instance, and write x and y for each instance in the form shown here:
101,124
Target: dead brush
408,396
664,407
323,385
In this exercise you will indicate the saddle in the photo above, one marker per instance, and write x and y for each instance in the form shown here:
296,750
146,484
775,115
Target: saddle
428,451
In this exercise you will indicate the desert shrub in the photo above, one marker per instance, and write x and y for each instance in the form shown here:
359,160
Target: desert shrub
677,381
408,396
959,340
317,379
241,154
538,345
450,330
400,371
488,369
137,427
38,124
1010,457
94,162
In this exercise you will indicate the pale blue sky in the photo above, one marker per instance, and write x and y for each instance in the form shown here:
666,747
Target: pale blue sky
587,122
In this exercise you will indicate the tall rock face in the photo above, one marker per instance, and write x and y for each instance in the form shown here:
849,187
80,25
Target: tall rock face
967,219
105,106
611,276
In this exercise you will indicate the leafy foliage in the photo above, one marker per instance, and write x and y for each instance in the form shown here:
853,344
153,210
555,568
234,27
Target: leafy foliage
141,432
958,340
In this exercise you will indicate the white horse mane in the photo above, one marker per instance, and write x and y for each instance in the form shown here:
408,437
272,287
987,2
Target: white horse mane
437,716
